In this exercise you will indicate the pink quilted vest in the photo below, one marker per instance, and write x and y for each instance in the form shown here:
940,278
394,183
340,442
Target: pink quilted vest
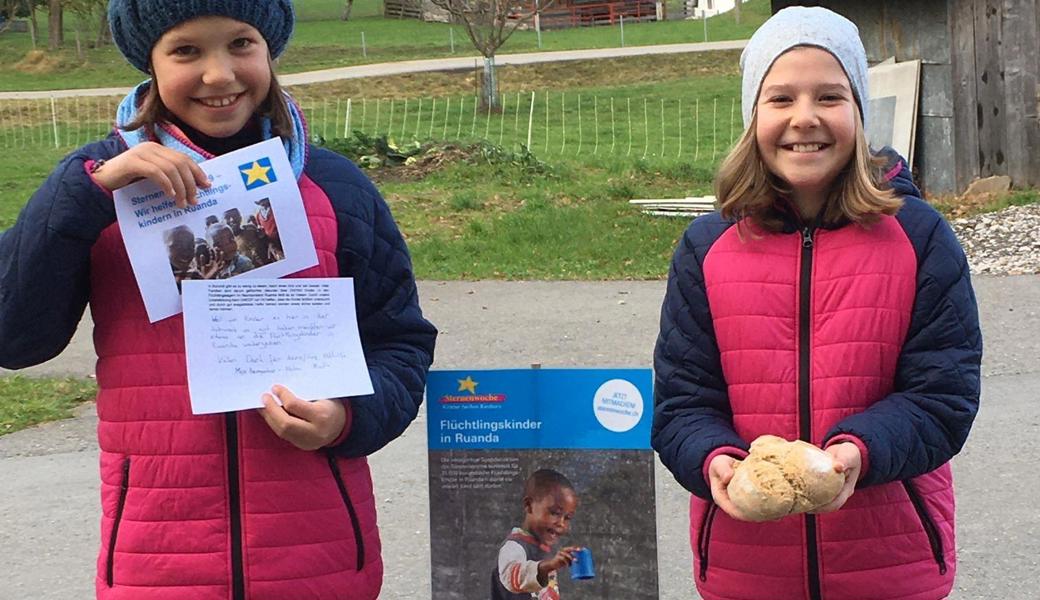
214,507
862,284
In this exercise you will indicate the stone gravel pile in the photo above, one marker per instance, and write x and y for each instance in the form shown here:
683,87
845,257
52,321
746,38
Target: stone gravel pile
1006,242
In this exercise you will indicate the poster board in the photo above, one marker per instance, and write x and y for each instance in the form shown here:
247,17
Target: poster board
490,429
892,121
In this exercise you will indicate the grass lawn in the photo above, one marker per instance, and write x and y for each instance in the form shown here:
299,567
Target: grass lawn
331,43
506,220
29,401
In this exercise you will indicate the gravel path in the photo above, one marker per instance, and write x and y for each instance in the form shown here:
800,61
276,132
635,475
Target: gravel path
1006,242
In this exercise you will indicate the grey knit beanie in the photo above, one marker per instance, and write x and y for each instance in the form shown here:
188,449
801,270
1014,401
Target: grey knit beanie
138,24
803,26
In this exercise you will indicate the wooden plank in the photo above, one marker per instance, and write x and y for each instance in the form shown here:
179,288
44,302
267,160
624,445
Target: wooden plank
1021,83
934,168
989,88
965,119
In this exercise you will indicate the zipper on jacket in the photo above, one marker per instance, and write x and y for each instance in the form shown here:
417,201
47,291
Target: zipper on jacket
238,582
804,408
934,539
705,539
355,523
124,487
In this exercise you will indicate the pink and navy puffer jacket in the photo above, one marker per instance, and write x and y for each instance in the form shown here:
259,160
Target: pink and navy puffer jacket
217,507
849,333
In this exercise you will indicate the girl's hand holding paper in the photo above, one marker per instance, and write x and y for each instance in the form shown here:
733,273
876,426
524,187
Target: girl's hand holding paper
308,425
176,174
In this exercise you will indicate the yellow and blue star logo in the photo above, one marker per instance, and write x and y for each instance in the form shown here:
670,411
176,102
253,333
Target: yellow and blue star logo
257,173
468,385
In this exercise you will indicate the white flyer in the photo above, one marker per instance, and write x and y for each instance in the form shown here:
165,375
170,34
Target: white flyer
250,222
242,336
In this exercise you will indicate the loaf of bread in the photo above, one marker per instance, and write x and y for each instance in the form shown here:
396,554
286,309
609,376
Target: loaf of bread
780,478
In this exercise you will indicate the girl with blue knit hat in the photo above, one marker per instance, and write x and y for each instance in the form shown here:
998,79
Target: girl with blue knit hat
264,504
824,302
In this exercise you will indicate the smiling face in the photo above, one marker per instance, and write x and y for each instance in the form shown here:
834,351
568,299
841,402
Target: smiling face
212,73
181,247
806,123
548,517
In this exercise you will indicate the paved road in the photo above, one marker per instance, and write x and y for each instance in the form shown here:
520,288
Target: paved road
48,502
422,66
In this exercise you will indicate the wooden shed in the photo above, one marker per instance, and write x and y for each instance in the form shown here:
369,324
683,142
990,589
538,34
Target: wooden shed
980,82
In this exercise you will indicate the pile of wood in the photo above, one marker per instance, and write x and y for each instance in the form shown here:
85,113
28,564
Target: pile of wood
677,207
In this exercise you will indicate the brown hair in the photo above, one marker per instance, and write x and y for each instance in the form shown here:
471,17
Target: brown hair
275,106
745,188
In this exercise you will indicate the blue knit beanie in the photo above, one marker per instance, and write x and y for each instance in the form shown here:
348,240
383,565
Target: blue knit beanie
138,24
802,26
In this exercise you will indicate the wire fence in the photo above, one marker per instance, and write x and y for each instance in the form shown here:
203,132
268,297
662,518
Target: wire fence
549,123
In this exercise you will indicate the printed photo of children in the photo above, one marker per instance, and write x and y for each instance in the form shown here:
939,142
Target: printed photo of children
225,247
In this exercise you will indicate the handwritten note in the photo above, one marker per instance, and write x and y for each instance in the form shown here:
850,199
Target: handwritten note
244,336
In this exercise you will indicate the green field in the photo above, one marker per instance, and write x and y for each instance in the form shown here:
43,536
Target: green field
331,43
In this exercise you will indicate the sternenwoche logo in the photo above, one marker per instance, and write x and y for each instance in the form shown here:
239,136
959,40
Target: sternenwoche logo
257,173
471,397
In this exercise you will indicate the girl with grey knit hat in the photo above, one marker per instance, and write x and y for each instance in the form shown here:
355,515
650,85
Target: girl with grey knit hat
825,302
265,504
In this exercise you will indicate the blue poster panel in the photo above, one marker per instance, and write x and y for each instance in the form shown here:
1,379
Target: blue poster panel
529,465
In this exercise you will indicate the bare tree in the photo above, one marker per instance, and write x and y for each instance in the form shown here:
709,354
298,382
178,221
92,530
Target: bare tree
348,5
489,23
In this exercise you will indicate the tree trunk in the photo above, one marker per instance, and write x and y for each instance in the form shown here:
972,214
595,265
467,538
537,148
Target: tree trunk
489,87
55,33
736,11
34,27
79,42
104,35
348,5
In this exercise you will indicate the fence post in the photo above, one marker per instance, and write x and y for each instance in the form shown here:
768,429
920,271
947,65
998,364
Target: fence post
612,137
714,122
578,151
646,127
325,118
462,108
547,122
530,122
54,123
390,124
451,36
433,116
629,111
379,105
563,120
447,113
595,117
502,121
516,117
404,120
364,48
697,131
622,21
732,108
346,118
679,154
704,17
418,119
662,127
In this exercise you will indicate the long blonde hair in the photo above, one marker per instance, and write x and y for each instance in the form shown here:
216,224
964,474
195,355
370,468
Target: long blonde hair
745,188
